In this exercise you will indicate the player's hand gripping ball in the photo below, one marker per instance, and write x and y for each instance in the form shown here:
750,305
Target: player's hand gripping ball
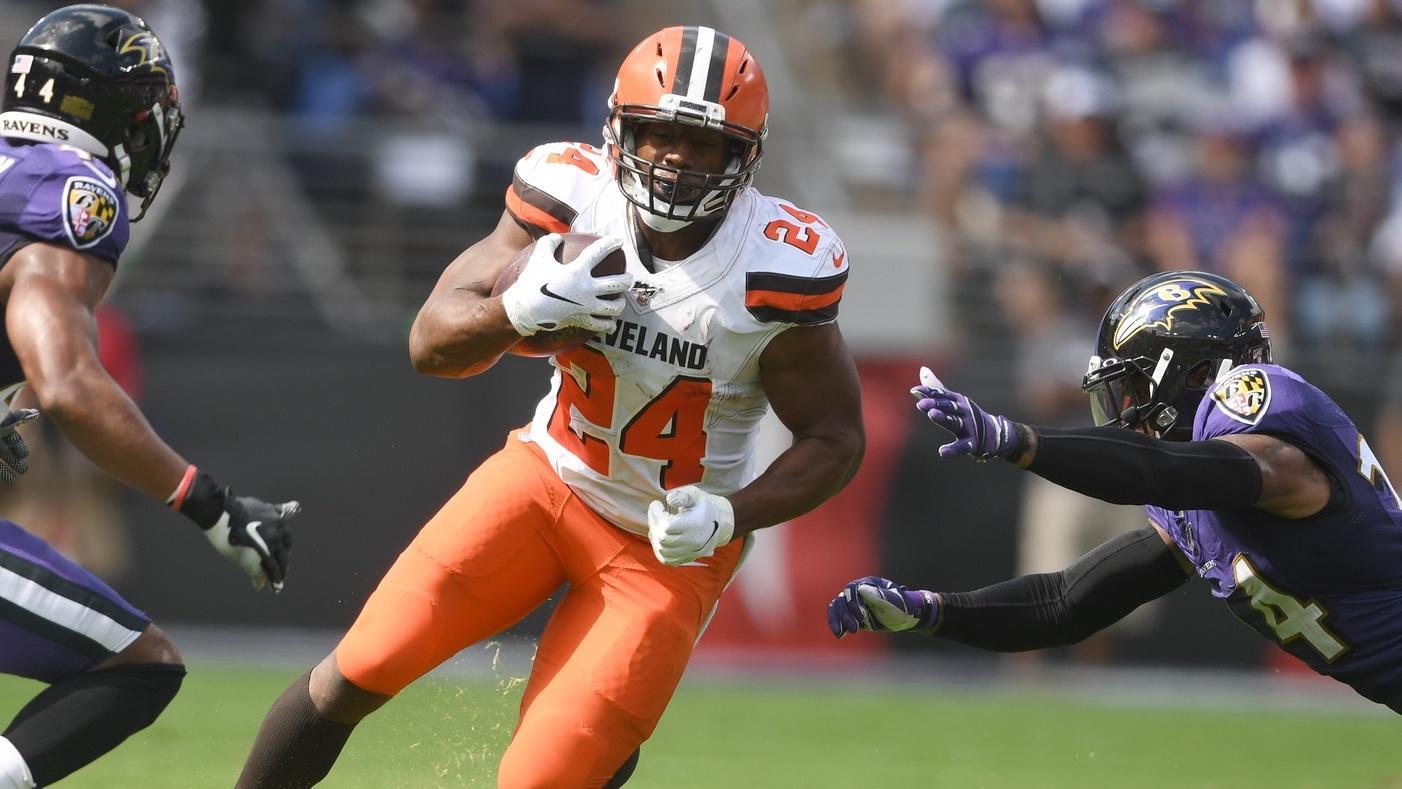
563,290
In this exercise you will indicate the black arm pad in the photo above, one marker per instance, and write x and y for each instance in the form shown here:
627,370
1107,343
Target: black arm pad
1055,609
1124,467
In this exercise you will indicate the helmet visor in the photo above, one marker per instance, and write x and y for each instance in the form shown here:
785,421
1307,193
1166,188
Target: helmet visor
1117,389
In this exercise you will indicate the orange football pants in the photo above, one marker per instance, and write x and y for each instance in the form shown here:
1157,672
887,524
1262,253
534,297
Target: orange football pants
613,651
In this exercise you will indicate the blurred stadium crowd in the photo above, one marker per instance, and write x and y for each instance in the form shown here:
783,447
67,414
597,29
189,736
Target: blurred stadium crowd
1067,147
1097,140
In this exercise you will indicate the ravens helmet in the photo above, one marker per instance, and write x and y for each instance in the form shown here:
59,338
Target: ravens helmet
1164,342
96,78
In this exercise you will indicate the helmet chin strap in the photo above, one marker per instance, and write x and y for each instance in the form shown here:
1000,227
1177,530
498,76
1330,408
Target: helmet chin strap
123,160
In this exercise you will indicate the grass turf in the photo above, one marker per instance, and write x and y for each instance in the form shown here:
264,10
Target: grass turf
718,734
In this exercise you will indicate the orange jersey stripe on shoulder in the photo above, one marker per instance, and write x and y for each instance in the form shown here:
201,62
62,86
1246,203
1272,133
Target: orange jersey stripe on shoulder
792,301
531,215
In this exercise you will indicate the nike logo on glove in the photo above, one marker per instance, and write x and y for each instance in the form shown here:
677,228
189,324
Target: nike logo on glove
715,527
258,538
546,290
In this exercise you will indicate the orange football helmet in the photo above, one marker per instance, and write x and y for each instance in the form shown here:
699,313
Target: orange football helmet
696,76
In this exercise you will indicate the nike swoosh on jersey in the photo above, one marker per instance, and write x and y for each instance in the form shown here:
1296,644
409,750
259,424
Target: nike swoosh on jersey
546,290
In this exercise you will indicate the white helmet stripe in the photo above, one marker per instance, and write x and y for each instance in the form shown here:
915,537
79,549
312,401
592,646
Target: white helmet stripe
701,63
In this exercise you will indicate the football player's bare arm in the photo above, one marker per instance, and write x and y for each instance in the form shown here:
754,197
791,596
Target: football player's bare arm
811,382
50,294
1293,485
462,330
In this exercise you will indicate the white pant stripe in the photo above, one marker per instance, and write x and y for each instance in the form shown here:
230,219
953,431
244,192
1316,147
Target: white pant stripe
64,612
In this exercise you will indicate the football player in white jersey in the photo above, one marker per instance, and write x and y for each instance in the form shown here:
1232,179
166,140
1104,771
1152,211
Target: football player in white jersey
634,482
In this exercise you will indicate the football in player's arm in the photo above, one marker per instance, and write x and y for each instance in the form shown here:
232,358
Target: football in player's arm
89,116
634,482
1253,479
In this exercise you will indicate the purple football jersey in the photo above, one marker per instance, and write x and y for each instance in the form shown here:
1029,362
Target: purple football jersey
1327,588
59,195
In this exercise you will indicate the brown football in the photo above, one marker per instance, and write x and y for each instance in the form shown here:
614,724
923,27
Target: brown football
549,343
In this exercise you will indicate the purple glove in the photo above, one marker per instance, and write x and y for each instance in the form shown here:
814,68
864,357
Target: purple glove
874,603
976,432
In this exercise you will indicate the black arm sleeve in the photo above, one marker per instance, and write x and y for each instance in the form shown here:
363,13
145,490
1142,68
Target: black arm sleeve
1124,467
1055,609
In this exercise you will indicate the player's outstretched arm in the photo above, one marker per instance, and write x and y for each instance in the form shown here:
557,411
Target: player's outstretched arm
51,293
1030,612
1125,467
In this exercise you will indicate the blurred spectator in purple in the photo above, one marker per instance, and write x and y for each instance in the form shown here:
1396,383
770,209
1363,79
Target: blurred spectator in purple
999,52
1324,163
1219,219
1341,297
431,59
1209,29
994,57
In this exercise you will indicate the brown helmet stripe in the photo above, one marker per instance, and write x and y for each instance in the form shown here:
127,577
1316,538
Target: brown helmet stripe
685,60
715,76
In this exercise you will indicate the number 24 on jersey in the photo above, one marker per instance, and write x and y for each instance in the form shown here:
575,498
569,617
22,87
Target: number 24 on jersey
670,428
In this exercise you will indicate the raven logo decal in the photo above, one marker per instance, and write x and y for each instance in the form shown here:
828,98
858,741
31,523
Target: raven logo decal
148,51
1156,307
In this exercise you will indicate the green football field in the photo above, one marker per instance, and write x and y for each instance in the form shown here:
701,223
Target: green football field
781,734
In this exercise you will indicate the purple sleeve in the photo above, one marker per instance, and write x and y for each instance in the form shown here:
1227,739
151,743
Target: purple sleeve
76,203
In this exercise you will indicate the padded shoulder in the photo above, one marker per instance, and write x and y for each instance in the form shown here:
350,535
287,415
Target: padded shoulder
63,196
553,183
1264,398
796,268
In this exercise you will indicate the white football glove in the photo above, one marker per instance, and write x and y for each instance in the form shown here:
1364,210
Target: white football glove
547,295
690,525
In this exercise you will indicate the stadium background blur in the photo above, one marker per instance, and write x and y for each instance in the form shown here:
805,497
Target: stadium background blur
999,170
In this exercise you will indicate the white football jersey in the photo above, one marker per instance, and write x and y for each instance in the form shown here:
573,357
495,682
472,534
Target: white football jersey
673,396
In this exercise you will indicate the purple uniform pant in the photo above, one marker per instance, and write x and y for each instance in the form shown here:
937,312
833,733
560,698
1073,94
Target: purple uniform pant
56,618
